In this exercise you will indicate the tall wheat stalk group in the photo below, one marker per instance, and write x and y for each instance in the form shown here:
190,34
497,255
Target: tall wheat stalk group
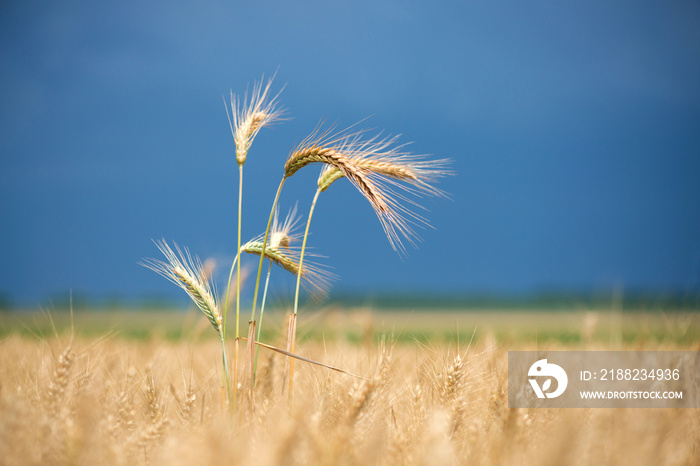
390,178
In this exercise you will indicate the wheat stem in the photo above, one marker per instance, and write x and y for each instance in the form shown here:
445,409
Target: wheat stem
236,264
291,331
226,376
248,370
238,249
238,284
262,256
296,293
264,244
235,374
237,260
262,310
303,249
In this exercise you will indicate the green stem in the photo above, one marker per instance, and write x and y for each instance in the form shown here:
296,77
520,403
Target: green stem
292,335
236,261
226,377
303,248
228,287
262,305
238,249
264,244
262,310
235,348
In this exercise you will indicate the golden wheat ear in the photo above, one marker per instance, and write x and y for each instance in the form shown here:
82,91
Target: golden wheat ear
404,178
379,168
188,273
247,117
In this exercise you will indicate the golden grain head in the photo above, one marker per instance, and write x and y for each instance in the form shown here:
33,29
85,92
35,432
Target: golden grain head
188,273
249,116
390,178
124,413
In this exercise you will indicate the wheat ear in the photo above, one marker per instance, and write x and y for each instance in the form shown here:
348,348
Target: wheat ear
392,171
315,278
247,117
315,154
187,273
373,164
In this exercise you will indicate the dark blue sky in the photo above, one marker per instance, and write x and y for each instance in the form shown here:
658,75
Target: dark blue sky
574,130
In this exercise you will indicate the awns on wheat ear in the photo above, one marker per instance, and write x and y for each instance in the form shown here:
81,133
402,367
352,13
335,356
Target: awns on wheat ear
249,116
379,168
281,250
187,272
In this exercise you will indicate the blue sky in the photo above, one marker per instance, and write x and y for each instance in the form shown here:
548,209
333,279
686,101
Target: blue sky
574,131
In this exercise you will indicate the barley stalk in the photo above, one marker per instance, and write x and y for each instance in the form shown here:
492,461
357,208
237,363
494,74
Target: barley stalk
289,368
291,342
262,311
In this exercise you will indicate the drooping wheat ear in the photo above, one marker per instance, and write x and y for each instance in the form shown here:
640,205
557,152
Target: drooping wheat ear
186,272
375,165
281,252
248,117
386,162
342,151
384,156
331,174
318,154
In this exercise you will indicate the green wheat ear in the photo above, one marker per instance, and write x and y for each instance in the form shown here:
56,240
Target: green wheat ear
282,249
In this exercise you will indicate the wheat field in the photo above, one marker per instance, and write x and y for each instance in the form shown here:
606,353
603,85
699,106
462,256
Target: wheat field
433,391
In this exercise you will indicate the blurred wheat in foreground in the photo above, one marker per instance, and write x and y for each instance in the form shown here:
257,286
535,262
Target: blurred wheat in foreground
121,402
